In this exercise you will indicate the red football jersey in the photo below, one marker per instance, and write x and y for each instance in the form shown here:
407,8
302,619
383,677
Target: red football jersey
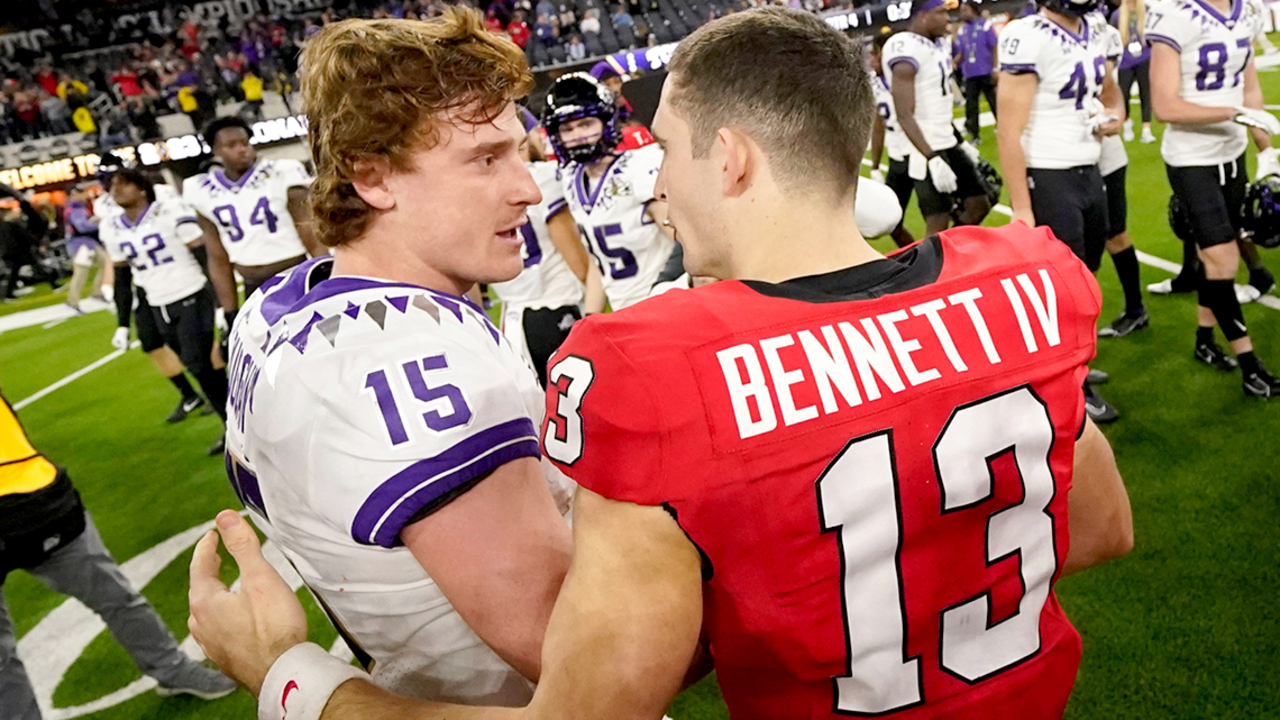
875,463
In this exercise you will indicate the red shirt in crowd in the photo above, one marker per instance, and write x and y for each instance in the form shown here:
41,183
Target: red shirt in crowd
519,32
127,81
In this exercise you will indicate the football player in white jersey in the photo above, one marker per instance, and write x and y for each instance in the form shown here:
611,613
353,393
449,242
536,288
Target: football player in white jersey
256,211
610,193
542,303
155,243
917,62
1057,101
1113,165
888,135
1204,85
381,430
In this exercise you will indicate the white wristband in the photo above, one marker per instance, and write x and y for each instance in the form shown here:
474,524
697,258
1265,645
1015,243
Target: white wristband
300,682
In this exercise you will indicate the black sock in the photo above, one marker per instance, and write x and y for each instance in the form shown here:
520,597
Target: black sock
214,384
1204,335
1126,262
1190,272
1248,362
180,381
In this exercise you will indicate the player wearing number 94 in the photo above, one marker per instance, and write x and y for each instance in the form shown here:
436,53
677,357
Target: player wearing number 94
856,477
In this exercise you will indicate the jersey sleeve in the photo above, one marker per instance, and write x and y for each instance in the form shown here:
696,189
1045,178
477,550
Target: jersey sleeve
900,50
109,237
1168,26
602,426
642,172
1114,47
1021,47
552,189
405,427
292,174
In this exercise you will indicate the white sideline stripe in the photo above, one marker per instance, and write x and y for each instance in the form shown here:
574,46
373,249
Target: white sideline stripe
72,377
1159,263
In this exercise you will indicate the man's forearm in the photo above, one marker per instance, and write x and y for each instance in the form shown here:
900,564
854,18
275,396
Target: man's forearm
915,134
362,700
1014,164
877,143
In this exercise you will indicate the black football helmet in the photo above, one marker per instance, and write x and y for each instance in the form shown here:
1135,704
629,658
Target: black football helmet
1180,220
574,96
992,183
1262,211
1079,8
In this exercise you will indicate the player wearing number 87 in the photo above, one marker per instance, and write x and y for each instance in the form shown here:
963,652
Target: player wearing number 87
157,244
609,191
857,477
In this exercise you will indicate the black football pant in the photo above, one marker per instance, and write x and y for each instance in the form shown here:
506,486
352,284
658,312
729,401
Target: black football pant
187,327
974,88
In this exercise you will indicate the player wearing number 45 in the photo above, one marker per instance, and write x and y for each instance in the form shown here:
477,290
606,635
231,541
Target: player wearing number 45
856,477
158,245
610,192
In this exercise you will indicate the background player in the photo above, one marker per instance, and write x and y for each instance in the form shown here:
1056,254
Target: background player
918,64
381,430
880,593
541,304
888,135
1204,84
155,243
1113,164
609,192
83,248
1056,101
256,212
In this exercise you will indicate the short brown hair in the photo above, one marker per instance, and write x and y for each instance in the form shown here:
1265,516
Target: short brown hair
797,86
383,88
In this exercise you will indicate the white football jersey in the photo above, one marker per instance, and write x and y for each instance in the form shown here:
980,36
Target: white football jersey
1215,50
896,143
105,206
546,281
1071,69
1113,155
355,406
156,249
252,213
934,98
613,217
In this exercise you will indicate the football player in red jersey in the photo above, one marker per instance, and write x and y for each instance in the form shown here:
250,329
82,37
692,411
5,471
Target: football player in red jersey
848,480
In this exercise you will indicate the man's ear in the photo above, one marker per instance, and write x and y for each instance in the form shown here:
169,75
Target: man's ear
370,182
733,151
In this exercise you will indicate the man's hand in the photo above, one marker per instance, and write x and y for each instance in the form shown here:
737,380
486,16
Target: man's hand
246,630
120,339
1261,119
943,177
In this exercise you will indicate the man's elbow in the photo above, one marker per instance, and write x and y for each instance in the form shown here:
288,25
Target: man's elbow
1161,110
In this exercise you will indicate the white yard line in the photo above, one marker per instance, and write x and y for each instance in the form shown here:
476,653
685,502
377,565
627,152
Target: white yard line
72,377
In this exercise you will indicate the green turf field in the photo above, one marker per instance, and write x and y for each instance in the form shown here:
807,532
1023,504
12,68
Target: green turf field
1185,627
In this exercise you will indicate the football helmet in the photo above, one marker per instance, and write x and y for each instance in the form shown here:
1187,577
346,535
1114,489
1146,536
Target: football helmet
1262,211
1180,220
574,96
1079,8
992,183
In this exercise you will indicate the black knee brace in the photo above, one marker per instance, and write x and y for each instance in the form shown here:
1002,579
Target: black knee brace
1220,297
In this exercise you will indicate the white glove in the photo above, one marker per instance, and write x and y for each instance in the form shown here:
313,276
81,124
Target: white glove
120,340
1268,163
220,321
943,177
970,152
1260,119
877,174
1098,115
109,293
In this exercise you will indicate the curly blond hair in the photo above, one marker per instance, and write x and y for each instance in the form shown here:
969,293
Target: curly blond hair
382,89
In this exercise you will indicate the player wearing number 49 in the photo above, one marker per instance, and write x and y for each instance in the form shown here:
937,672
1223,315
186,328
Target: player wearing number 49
1204,84
855,476
157,244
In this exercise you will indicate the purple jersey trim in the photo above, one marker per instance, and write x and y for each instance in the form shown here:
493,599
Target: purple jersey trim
1019,69
555,207
1225,20
1156,37
909,61
245,485
401,496
236,184
292,295
124,217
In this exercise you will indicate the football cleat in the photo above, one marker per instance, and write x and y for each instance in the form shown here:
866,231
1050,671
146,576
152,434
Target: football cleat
1100,411
198,680
1169,287
1097,377
1125,324
184,408
1261,383
1213,356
